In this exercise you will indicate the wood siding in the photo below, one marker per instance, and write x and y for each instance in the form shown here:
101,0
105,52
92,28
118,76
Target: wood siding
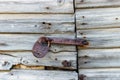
98,22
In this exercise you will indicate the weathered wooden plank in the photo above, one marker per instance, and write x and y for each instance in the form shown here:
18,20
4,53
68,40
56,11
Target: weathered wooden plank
36,6
8,59
97,18
38,75
97,3
100,74
26,41
52,27
99,38
36,18
99,58
36,23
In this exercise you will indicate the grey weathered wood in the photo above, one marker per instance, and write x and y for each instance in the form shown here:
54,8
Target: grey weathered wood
38,18
52,27
101,38
100,74
36,6
9,59
98,18
99,58
36,23
38,75
26,41
97,3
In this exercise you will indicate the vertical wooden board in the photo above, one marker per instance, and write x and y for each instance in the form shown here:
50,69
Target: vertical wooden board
97,18
99,58
99,74
38,75
101,38
97,3
36,6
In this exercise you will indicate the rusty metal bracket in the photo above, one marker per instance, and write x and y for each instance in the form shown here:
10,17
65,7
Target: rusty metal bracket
42,45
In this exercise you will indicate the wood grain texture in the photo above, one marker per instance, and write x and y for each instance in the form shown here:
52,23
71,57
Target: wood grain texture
99,58
97,18
38,75
23,18
41,27
9,59
100,74
97,3
36,6
101,38
36,23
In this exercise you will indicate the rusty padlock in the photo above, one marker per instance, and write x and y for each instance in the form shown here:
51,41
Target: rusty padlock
42,45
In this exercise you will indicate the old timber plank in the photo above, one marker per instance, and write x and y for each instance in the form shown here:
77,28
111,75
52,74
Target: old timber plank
9,59
36,6
99,58
38,75
37,23
98,18
101,38
97,3
99,74
40,27
36,18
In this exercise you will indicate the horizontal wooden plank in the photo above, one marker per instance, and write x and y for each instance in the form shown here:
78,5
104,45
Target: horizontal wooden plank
36,6
36,18
38,75
99,58
9,59
98,18
96,3
100,74
52,27
26,41
36,23
101,38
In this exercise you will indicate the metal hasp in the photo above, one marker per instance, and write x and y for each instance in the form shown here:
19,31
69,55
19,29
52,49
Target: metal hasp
42,45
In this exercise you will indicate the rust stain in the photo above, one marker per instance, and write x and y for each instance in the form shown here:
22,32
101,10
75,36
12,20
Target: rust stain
66,63
84,23
47,7
82,77
116,18
83,16
81,0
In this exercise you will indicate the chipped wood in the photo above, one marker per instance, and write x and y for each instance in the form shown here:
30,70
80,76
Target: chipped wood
9,59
